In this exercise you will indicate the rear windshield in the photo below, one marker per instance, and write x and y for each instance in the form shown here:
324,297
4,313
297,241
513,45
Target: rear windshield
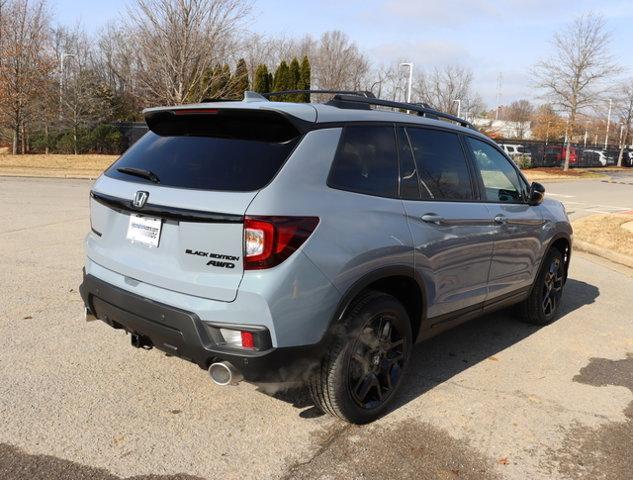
229,151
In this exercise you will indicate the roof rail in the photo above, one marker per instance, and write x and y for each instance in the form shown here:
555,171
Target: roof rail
361,93
422,110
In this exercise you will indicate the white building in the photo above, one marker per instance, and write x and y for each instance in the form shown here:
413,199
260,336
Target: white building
504,128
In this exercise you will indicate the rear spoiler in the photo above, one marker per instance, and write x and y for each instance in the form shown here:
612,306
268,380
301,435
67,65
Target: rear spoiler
215,121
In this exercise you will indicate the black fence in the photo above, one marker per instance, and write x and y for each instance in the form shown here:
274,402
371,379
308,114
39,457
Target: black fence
552,154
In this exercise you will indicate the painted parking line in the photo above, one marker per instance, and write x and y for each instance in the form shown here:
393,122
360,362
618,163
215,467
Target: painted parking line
561,195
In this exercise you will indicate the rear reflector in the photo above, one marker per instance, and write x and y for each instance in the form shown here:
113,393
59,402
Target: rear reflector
247,340
268,241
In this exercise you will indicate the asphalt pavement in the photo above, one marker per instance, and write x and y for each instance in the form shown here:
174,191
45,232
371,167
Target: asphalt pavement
494,398
613,194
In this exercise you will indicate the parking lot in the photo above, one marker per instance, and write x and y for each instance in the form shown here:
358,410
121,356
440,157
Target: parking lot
494,398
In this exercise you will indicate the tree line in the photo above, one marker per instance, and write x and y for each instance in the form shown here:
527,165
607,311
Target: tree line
61,88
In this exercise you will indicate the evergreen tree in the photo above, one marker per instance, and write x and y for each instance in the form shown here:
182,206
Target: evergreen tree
271,81
261,83
282,80
294,78
224,82
304,82
239,82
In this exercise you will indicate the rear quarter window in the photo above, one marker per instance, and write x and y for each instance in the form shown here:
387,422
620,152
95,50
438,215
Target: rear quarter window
230,151
366,161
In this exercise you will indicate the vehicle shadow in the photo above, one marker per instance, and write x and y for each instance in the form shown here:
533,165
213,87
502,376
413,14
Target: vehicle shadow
450,353
441,358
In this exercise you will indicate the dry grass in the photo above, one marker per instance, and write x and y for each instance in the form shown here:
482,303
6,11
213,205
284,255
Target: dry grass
558,175
80,166
606,231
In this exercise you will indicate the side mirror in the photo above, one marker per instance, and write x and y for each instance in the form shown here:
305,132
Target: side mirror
537,194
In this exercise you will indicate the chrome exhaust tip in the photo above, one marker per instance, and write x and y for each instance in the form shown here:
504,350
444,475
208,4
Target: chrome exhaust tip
224,373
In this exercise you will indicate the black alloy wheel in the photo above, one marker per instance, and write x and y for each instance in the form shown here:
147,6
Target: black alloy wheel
377,362
552,287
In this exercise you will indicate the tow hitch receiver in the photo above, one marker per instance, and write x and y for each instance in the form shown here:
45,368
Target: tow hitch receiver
139,341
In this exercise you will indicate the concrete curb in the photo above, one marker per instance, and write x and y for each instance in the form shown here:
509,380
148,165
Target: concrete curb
587,247
64,177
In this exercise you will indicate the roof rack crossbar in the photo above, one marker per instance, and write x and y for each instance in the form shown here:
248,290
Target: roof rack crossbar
421,110
361,93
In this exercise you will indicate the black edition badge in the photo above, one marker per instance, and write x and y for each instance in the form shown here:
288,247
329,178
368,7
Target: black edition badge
217,259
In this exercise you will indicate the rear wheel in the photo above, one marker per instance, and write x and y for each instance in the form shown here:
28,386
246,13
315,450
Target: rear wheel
541,307
359,377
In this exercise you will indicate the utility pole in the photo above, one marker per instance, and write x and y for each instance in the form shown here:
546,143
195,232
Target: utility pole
586,133
499,77
606,137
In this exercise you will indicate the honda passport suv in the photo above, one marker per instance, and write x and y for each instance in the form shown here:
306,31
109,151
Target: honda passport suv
284,242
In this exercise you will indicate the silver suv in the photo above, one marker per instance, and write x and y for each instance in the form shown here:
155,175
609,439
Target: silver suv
284,242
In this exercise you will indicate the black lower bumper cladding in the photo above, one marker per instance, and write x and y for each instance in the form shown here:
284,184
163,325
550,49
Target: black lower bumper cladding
182,334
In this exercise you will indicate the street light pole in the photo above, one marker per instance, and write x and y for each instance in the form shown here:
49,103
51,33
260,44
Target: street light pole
459,106
62,58
606,137
410,82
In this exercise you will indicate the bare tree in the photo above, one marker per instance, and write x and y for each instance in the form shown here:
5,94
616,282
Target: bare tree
572,77
116,61
444,88
26,63
388,82
86,99
180,41
624,108
520,112
338,63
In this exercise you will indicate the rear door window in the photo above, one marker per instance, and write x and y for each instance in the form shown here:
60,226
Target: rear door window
366,161
442,167
229,151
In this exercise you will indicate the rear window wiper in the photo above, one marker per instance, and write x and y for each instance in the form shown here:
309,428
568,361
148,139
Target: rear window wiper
139,172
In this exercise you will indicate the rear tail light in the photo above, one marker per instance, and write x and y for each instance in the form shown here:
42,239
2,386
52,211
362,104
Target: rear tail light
268,241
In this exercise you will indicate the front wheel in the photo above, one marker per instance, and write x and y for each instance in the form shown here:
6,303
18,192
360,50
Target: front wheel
541,307
359,377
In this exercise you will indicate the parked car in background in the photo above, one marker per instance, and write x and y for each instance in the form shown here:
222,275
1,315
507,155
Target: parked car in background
555,155
593,158
515,150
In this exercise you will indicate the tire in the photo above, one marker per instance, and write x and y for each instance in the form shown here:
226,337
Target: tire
541,307
359,377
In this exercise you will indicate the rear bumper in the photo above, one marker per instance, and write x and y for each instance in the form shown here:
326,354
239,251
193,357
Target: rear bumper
182,334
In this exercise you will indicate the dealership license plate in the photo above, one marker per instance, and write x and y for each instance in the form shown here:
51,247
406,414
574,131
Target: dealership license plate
144,230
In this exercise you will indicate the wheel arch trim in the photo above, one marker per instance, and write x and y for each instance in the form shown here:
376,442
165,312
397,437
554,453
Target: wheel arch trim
347,299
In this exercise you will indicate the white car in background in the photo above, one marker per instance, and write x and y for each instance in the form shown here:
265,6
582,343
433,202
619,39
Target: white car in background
594,157
515,150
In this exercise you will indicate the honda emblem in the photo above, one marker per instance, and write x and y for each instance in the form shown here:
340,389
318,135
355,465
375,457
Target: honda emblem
140,199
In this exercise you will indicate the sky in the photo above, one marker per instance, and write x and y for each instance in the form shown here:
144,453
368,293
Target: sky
490,37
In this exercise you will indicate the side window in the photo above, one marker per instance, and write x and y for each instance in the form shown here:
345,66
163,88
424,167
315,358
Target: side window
442,167
366,161
501,180
409,188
